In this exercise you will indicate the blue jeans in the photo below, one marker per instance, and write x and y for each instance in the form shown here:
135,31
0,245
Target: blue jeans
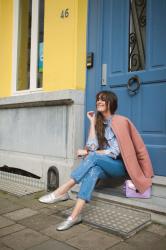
93,167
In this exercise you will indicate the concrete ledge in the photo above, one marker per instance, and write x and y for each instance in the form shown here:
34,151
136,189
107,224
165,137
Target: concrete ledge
159,180
158,218
62,97
141,204
36,104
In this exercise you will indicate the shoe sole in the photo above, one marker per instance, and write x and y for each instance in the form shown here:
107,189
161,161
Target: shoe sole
69,227
51,202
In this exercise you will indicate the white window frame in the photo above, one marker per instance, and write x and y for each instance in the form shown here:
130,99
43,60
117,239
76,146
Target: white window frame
33,52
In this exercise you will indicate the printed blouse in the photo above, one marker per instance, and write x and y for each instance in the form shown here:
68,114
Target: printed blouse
112,149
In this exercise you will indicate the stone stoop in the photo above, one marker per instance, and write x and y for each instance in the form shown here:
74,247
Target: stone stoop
156,205
159,186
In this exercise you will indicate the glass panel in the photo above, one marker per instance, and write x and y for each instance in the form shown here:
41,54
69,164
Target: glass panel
40,44
24,44
137,35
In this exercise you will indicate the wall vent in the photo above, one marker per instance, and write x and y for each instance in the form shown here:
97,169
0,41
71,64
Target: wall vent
52,178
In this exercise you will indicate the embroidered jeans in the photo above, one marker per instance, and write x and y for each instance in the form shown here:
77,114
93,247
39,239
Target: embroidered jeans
93,167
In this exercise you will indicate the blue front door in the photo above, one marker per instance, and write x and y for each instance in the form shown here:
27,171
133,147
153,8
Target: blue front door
128,40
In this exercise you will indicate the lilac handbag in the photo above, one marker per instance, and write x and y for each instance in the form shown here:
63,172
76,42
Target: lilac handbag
131,192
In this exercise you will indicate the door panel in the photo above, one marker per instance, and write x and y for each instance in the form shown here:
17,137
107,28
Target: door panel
115,31
115,49
157,35
108,38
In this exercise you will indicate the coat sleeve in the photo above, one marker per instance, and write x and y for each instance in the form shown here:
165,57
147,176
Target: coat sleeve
141,151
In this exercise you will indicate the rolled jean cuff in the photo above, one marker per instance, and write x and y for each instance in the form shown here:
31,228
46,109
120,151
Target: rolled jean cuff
83,198
75,179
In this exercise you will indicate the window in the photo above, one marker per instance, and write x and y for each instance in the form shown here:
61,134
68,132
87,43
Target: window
28,45
137,35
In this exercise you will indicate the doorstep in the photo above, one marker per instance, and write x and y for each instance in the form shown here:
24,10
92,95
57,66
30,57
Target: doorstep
115,218
155,205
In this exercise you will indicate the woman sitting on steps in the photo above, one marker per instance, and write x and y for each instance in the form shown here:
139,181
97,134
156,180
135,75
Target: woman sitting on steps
114,148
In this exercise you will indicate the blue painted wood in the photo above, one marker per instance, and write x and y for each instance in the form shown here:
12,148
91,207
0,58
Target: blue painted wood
156,42
108,38
94,41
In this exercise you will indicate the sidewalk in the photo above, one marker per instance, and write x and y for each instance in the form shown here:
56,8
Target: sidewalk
27,224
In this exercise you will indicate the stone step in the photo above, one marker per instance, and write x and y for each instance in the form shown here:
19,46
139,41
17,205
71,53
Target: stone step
156,205
159,186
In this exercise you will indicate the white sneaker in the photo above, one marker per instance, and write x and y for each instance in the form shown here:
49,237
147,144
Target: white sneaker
52,198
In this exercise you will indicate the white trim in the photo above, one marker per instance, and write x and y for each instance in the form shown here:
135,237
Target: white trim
15,44
27,91
34,44
34,48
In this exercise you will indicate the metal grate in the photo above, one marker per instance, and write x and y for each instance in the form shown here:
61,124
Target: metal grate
17,188
19,185
118,219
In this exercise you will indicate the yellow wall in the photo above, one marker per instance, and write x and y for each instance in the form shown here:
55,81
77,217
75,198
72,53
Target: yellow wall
80,47
6,15
64,45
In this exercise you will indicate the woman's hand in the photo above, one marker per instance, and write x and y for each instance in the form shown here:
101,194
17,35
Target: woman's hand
91,116
82,152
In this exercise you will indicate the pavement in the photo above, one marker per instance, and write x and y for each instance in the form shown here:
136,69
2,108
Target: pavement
27,224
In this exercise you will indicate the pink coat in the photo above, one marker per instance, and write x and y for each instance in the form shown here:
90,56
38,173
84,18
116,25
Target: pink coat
133,152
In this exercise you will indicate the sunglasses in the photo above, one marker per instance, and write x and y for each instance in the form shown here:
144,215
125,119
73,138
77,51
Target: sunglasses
101,98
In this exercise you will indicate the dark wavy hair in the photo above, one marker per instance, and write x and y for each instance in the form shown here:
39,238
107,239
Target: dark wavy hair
111,101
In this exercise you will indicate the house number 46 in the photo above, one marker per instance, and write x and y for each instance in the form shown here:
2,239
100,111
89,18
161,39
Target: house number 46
65,13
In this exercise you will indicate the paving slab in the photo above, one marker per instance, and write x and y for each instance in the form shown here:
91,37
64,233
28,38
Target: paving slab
144,240
32,203
52,244
21,214
17,188
158,229
10,229
123,246
4,222
3,194
46,211
12,198
23,239
65,235
40,221
8,206
3,247
94,240
62,204
159,245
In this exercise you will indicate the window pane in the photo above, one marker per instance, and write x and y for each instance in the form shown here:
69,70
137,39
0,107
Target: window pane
40,44
24,45
137,35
